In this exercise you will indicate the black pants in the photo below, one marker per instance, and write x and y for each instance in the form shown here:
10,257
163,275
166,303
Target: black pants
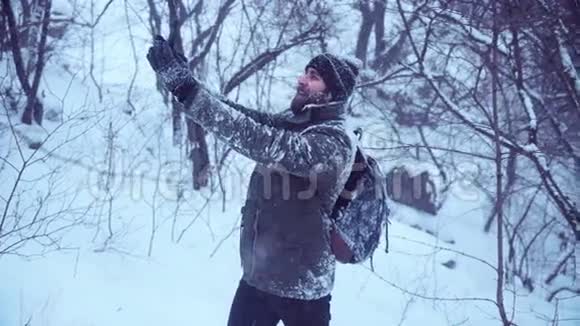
252,307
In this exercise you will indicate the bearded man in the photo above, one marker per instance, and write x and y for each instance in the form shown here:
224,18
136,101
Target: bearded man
303,158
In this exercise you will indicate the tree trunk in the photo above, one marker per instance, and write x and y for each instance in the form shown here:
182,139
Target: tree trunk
364,33
379,16
34,108
498,164
199,155
176,42
195,134
576,199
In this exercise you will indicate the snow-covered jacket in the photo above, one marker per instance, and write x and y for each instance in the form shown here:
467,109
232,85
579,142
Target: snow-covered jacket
303,162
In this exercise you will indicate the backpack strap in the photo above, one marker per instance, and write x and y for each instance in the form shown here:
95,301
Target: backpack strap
359,166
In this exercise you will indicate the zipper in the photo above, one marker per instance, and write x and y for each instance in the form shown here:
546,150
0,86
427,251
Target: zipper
254,240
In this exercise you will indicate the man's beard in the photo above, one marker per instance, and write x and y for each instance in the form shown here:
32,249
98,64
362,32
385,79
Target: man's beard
302,99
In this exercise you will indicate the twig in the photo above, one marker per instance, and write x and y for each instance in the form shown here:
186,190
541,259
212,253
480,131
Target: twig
234,229
135,60
562,289
450,250
425,297
195,217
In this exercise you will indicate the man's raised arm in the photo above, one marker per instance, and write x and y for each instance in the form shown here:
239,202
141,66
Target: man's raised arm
270,119
322,148
313,150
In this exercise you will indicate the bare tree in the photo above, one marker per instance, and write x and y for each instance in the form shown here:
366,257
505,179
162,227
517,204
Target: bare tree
499,170
201,44
33,10
500,76
373,19
33,221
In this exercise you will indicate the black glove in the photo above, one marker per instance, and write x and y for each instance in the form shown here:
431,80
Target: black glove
172,69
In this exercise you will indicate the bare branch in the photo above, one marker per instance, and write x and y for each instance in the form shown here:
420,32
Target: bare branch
213,31
266,57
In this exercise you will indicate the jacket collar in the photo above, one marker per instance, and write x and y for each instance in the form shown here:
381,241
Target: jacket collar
312,113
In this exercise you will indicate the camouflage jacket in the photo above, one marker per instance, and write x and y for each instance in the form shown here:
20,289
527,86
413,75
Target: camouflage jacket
303,162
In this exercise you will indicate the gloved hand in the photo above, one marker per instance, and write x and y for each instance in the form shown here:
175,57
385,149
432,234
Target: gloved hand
172,69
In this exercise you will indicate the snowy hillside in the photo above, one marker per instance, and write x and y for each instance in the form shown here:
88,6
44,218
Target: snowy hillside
126,240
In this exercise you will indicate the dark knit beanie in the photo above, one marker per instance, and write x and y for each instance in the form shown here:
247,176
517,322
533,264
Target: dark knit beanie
339,74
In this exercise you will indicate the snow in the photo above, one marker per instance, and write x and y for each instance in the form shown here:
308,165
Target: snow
183,284
569,68
416,167
100,280
350,59
534,94
478,35
30,135
533,150
529,107
62,7
577,252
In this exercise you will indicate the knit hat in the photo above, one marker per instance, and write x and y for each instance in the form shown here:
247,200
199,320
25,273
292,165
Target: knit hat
339,74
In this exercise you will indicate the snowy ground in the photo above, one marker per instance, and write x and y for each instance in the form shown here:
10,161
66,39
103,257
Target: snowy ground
193,283
115,282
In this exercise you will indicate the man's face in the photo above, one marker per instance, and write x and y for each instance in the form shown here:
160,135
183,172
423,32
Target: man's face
311,90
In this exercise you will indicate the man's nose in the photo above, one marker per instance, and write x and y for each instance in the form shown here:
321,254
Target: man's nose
302,80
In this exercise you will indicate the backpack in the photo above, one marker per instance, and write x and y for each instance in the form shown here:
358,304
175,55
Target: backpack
360,212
